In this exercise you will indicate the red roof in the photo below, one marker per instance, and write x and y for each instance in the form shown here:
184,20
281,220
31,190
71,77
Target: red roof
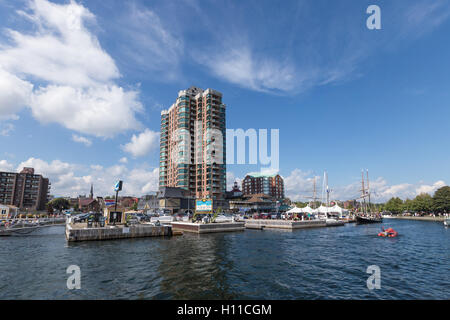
86,202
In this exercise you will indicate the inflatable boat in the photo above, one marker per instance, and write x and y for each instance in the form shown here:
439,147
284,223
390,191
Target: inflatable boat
389,232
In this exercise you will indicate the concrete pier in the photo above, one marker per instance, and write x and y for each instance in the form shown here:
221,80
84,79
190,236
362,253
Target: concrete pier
208,227
283,224
426,218
81,233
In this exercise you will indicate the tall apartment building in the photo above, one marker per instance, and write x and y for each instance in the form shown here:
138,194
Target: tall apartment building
24,190
272,185
192,144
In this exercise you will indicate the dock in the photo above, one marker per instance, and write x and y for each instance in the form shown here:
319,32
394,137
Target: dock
80,232
208,227
24,226
283,224
426,218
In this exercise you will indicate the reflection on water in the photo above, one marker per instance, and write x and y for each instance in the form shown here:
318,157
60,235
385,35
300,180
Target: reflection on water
324,263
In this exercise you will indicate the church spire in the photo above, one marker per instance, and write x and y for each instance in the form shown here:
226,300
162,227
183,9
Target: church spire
91,194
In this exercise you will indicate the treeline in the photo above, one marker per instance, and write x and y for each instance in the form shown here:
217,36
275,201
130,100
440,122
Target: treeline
438,203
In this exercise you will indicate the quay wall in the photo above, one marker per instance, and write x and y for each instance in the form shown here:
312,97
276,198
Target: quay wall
436,219
119,232
208,227
283,224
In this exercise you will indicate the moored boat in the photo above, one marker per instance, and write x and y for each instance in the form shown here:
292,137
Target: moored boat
367,220
447,222
334,222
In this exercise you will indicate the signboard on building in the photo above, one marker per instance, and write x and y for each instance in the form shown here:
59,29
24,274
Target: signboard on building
203,206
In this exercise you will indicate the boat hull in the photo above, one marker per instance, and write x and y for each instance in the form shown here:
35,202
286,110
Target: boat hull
367,220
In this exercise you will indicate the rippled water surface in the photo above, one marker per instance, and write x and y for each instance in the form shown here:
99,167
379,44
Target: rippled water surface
325,263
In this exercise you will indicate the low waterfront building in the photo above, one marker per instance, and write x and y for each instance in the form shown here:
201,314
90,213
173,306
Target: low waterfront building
234,193
25,190
87,205
175,200
254,203
114,215
8,211
257,183
148,203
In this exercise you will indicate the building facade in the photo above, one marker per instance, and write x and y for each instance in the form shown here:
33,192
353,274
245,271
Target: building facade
148,203
24,190
193,144
272,185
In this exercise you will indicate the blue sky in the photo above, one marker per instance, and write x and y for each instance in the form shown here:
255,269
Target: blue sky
83,84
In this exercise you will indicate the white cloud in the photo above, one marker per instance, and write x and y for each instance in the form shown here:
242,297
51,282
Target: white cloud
149,43
69,179
423,16
239,65
62,50
140,145
6,166
123,160
299,187
76,76
430,188
6,128
14,95
81,139
96,167
54,168
102,111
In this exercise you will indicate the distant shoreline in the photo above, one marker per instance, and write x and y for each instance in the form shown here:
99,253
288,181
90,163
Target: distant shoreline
436,219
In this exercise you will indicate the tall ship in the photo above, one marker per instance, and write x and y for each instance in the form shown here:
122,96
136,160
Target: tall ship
366,215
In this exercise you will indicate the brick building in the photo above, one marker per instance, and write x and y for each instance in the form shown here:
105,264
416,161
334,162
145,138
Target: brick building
272,185
25,190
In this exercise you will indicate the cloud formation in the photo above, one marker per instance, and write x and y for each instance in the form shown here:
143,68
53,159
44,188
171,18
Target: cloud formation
141,144
299,187
81,139
70,179
61,72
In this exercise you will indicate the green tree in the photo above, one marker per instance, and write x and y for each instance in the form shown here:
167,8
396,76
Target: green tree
300,204
60,204
441,200
422,203
49,208
408,205
135,206
394,205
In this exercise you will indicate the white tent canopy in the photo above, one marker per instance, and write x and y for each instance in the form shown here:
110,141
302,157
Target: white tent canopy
336,209
308,209
295,210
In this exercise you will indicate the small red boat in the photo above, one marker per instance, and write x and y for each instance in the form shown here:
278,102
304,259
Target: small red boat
389,232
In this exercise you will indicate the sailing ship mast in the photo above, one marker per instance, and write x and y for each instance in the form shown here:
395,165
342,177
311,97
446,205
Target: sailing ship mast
365,193
368,189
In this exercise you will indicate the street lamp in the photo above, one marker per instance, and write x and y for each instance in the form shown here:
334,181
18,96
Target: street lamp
117,188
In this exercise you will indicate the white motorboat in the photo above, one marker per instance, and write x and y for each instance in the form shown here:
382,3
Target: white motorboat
447,222
333,222
162,218
223,218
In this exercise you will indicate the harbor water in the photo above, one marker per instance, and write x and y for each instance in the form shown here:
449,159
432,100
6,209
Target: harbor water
322,263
